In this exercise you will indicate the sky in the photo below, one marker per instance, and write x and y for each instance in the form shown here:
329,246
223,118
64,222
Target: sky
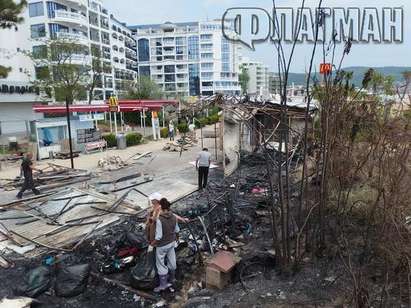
135,12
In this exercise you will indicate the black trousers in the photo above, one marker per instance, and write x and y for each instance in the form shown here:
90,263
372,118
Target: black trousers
28,184
202,177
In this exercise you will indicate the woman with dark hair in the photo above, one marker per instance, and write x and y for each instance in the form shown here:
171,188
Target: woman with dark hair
165,240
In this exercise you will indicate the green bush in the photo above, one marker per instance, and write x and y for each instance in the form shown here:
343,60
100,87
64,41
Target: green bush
202,122
111,140
133,139
182,128
164,132
213,119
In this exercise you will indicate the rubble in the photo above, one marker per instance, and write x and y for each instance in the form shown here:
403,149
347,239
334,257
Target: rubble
111,163
52,177
179,145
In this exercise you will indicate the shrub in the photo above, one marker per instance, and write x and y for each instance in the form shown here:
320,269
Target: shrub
164,132
111,140
204,122
182,128
133,139
213,118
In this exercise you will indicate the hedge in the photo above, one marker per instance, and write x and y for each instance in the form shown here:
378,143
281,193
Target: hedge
215,118
133,139
111,140
182,128
164,132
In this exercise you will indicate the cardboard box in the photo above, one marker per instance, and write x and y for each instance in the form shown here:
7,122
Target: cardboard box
216,278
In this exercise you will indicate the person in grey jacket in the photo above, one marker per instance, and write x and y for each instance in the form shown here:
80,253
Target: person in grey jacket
165,242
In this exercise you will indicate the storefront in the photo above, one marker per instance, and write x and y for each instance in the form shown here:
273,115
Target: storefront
51,134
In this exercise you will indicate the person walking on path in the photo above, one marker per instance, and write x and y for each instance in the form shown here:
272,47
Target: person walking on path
165,243
27,169
203,164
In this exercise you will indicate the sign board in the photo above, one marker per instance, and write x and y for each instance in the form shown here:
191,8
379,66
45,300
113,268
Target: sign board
325,68
113,104
98,116
85,117
91,117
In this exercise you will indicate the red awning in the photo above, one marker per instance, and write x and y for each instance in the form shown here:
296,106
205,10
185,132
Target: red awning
125,106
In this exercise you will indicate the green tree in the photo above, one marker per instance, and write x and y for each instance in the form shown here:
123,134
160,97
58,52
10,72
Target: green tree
9,17
244,79
97,70
380,83
63,72
144,88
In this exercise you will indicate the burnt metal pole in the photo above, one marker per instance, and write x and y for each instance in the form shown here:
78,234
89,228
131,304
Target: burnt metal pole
69,133
215,141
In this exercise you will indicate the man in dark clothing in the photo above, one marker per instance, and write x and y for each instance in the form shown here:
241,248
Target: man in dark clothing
27,169
203,164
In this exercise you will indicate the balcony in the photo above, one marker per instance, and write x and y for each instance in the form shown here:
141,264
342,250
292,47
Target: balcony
75,37
208,88
80,59
131,56
70,17
83,3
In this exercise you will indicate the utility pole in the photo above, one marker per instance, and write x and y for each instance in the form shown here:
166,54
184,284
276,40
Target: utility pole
69,133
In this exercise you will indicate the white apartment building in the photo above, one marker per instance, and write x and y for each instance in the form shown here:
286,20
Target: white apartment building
83,21
259,77
123,56
188,59
17,93
86,22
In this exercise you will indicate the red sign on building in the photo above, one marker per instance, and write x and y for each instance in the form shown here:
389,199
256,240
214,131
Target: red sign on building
325,68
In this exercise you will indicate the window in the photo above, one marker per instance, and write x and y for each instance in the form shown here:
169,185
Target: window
193,79
225,55
207,75
170,87
207,66
193,48
145,71
169,78
48,136
207,55
207,46
206,36
40,52
179,50
94,35
38,31
169,69
52,7
36,9
168,40
143,50
180,41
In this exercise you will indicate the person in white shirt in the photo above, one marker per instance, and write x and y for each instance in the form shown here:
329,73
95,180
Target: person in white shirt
203,164
192,129
171,131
